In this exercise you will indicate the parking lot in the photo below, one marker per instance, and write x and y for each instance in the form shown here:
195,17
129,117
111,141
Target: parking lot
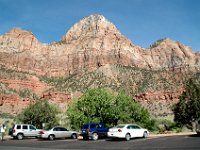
173,142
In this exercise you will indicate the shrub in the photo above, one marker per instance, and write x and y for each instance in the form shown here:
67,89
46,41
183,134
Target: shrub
39,113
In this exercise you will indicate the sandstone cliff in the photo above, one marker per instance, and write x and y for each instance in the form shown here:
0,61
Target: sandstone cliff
90,43
95,45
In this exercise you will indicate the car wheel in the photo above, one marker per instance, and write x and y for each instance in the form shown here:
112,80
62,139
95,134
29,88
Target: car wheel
127,136
145,135
20,136
95,136
74,136
85,137
51,137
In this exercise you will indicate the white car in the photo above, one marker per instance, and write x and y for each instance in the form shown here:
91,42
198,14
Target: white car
127,131
57,132
20,131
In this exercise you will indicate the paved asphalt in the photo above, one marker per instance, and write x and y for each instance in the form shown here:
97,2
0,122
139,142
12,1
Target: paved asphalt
177,142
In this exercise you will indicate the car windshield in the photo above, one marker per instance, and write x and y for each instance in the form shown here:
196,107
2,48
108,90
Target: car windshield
85,126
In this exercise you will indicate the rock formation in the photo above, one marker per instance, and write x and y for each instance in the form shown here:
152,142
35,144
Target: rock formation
89,44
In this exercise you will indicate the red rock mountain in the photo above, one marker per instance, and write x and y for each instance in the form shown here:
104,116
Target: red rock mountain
92,43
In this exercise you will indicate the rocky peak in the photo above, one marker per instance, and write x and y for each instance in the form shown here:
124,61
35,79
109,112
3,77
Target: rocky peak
19,40
166,53
93,25
18,32
175,48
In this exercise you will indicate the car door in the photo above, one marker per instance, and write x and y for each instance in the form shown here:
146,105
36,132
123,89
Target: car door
65,132
57,132
137,132
33,131
25,130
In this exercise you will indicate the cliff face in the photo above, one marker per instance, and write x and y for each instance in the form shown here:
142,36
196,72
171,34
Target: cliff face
91,44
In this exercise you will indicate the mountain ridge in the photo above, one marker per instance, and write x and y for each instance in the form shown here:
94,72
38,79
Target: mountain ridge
93,53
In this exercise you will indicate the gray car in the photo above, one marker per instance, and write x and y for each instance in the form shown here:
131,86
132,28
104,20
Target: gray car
58,132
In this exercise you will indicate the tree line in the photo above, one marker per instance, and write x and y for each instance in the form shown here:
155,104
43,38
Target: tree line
111,108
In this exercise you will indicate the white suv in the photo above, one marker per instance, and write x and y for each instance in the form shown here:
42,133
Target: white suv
20,131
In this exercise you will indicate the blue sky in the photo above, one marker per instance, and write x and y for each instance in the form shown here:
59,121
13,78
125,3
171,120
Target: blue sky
142,21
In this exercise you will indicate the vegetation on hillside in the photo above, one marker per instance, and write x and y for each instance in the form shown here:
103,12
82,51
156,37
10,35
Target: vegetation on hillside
131,79
24,93
156,43
187,110
10,74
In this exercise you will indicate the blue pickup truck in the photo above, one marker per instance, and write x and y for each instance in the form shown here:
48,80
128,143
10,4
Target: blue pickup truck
93,131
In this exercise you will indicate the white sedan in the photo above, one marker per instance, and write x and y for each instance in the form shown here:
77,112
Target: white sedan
127,131
58,132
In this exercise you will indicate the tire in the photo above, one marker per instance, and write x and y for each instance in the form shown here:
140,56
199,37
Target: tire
74,136
51,137
127,136
85,138
145,134
20,136
95,136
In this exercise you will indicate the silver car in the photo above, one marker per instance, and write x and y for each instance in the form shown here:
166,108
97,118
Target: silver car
57,132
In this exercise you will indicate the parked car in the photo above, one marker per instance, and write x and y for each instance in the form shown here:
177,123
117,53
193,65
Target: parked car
198,128
127,131
93,131
20,131
58,132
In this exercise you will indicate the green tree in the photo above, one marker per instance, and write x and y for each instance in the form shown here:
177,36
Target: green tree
187,110
99,105
39,113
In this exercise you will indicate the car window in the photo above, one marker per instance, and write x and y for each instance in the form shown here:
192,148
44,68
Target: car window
85,126
63,129
18,126
130,127
93,126
56,129
136,127
32,128
25,127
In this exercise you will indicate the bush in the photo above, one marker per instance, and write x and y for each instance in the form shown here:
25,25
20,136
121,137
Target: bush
39,113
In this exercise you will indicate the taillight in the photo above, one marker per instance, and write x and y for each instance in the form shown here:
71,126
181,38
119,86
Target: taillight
119,130
13,130
41,132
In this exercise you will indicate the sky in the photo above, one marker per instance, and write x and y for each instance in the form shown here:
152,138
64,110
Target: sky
142,21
